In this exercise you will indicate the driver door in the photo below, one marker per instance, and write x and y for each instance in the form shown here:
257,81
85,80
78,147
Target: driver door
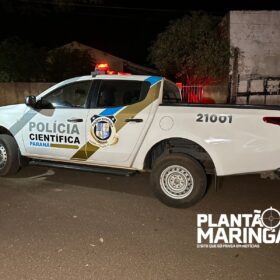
57,128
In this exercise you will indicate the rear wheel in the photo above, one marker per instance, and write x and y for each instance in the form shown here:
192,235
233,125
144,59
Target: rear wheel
9,155
178,180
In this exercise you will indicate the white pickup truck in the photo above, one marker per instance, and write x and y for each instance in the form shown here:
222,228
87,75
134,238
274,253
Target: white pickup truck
122,124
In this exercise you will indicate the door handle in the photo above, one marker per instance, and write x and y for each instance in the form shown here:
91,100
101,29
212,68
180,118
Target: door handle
73,120
134,120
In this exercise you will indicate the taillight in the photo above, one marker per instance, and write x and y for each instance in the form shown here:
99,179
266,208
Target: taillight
272,120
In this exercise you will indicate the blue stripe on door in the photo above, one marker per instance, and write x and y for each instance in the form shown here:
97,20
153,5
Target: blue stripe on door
110,111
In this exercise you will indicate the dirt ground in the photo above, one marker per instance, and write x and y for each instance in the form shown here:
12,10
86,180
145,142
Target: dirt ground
61,224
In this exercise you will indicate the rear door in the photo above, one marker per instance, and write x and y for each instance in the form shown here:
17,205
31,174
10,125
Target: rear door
121,114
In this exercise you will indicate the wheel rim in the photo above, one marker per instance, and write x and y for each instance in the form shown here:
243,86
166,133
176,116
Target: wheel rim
176,182
3,156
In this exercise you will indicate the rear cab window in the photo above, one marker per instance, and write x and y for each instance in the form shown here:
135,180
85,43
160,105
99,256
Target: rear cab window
116,93
171,93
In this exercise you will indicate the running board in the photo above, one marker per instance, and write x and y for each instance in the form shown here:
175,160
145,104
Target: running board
86,168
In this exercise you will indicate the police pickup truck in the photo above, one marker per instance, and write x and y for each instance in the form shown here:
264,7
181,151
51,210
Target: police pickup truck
122,124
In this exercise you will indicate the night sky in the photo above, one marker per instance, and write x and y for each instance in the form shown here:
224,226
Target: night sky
123,28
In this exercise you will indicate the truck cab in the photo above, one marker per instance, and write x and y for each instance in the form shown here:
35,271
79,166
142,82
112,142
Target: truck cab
98,120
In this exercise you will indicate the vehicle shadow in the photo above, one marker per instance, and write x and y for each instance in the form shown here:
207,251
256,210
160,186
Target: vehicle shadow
235,193
136,184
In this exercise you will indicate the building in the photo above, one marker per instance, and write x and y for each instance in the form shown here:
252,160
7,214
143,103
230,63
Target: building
115,63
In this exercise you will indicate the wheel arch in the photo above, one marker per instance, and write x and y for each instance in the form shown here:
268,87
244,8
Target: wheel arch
4,130
180,145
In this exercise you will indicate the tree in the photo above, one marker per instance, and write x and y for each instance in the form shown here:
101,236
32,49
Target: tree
193,50
66,63
21,62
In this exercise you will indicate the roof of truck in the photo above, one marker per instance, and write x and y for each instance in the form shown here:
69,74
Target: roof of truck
151,79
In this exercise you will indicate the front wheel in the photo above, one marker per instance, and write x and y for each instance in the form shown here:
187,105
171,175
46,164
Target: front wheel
178,180
9,155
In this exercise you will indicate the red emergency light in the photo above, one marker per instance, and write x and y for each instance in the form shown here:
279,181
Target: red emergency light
110,72
103,68
123,73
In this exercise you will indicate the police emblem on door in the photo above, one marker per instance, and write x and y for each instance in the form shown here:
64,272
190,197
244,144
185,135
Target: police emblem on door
103,131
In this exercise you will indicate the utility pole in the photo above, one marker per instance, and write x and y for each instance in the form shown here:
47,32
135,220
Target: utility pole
234,77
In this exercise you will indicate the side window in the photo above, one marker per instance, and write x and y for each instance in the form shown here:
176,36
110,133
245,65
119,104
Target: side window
171,93
115,93
70,96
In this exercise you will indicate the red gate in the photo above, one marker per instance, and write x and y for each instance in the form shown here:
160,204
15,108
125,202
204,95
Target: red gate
192,94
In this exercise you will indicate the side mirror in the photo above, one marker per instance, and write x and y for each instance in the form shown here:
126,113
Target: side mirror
30,101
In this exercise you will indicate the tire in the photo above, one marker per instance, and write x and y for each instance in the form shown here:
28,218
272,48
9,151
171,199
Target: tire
169,176
9,155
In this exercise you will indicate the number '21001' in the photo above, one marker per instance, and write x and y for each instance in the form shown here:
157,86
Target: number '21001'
213,118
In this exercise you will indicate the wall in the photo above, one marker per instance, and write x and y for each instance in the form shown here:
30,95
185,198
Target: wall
14,93
256,35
